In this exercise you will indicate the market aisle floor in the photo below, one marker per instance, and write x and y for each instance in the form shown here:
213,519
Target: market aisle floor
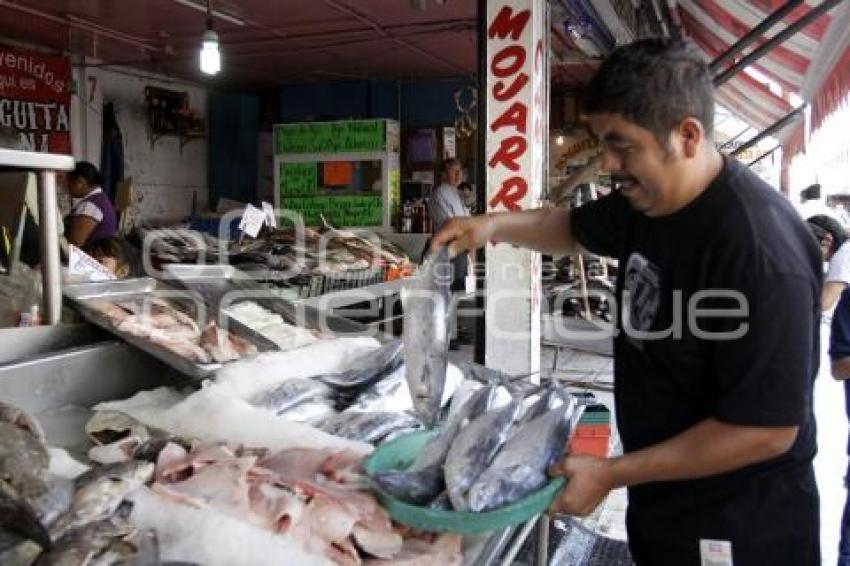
831,461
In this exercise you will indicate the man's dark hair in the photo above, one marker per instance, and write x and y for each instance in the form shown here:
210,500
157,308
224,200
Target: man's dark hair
821,224
812,192
654,83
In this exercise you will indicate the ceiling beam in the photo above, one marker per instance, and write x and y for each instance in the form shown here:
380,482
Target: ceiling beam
384,33
72,21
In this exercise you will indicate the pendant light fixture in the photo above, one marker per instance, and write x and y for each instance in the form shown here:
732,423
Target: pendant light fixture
210,55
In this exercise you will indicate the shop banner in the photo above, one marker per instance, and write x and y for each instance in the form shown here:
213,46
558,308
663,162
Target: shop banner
35,99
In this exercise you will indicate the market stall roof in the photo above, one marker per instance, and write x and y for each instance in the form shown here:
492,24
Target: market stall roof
264,43
812,65
807,65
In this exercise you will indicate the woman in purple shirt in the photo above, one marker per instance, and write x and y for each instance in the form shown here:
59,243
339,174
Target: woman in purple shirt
92,216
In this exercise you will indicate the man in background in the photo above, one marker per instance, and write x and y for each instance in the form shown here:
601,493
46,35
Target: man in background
446,203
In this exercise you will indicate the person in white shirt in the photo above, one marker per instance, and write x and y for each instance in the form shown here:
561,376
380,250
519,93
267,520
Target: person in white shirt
835,248
446,203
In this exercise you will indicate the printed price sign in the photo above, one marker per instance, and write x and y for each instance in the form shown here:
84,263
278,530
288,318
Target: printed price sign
81,263
252,220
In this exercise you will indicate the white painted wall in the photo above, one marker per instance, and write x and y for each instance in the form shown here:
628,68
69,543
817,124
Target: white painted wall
165,179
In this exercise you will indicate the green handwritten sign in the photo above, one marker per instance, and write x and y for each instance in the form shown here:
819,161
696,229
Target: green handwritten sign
355,211
330,137
297,179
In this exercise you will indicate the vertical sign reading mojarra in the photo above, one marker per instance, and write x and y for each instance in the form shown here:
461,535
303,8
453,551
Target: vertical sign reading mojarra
35,99
517,123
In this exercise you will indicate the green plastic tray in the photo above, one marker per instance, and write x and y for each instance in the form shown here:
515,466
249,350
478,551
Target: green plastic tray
400,453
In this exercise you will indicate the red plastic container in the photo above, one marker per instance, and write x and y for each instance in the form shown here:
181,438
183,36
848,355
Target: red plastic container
591,440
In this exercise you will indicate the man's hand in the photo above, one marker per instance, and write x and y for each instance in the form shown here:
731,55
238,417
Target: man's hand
588,482
464,234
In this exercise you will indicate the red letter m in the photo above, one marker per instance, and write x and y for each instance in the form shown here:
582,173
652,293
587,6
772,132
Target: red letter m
506,23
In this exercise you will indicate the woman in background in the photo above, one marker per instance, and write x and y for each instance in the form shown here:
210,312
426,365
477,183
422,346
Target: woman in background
92,216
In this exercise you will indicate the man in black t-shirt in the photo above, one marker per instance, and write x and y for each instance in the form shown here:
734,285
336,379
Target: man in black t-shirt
717,331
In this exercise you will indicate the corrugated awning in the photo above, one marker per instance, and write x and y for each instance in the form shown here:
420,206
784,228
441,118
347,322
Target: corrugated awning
814,63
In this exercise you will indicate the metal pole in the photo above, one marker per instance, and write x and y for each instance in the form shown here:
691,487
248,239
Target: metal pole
780,37
775,127
754,33
763,155
542,558
51,285
516,546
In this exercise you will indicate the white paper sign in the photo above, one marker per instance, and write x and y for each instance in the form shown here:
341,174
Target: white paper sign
271,220
81,263
252,220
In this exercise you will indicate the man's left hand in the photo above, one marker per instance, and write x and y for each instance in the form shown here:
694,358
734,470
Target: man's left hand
588,483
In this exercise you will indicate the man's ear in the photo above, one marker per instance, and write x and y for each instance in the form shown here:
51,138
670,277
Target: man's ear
692,134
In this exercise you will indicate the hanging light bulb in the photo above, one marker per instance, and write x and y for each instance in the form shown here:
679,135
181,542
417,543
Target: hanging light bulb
559,139
210,57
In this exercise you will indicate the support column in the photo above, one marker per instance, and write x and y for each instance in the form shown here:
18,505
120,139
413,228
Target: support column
515,158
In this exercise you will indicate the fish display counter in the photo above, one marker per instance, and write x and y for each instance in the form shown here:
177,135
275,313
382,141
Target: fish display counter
128,459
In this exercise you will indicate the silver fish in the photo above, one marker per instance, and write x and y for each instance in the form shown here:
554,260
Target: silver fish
366,369
99,493
520,468
474,449
310,412
18,516
425,299
423,480
289,394
367,427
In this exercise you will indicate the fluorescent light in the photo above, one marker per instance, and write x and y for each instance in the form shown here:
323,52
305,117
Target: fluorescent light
210,55
199,6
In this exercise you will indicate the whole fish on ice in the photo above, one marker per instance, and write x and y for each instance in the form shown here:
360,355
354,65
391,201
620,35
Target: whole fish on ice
99,492
289,394
425,300
366,369
368,427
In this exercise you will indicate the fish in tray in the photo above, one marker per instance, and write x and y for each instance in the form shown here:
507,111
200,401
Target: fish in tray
425,300
520,468
368,427
99,492
366,369
423,480
474,448
291,393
